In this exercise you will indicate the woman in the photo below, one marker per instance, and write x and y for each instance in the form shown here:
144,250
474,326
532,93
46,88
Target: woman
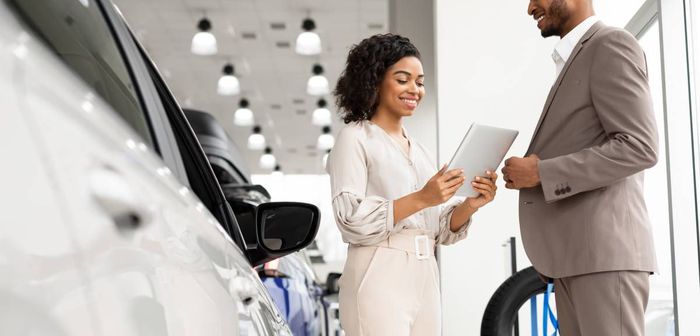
385,195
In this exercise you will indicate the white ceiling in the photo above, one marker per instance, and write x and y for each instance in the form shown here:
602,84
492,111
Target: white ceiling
272,78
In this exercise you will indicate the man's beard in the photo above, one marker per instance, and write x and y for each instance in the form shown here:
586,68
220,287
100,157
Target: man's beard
557,14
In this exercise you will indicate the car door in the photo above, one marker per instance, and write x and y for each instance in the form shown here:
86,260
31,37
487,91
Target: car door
150,249
42,287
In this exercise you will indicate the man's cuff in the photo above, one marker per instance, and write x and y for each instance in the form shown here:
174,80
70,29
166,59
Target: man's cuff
554,186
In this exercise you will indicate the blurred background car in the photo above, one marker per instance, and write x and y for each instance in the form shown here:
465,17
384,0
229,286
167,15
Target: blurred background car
290,280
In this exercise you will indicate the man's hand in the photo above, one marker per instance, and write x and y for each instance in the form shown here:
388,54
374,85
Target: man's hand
521,172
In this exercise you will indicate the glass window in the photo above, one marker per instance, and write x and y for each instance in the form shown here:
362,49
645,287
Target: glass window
80,36
695,61
659,315
617,13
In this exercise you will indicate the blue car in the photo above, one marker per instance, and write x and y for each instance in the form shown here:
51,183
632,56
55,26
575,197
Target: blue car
293,286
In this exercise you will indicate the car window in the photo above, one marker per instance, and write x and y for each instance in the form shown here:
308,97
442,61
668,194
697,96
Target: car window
199,173
77,32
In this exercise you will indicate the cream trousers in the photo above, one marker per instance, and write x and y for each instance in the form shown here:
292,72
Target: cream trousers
392,288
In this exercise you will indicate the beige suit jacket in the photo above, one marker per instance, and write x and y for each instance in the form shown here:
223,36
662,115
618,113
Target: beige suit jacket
596,136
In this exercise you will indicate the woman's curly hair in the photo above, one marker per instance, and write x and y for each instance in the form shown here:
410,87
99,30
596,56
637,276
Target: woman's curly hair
356,92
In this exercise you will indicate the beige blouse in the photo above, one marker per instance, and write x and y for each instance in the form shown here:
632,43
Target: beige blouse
368,171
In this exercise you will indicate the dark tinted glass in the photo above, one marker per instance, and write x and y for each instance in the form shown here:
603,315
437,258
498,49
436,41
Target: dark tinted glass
78,33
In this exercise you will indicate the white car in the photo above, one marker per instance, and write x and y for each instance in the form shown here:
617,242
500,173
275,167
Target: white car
111,220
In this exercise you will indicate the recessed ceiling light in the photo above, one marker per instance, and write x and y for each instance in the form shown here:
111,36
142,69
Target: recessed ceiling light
301,112
375,25
283,44
276,107
278,26
298,101
249,35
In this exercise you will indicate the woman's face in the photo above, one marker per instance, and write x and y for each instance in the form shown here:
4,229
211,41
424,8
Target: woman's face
402,87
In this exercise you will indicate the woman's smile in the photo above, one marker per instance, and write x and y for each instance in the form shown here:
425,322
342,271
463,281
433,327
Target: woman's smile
410,102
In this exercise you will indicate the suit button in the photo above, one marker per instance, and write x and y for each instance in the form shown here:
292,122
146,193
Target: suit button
557,192
568,189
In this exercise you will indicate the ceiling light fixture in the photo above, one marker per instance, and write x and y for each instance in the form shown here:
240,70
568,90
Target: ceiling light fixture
256,141
325,158
277,173
267,160
317,84
308,42
325,140
321,115
228,83
204,42
243,115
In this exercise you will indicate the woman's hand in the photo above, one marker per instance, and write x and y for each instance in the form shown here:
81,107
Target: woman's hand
486,188
442,186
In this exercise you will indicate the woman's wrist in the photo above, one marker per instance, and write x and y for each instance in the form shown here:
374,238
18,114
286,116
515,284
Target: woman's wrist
468,207
420,200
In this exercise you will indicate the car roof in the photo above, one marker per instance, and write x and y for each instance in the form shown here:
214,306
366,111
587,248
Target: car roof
215,141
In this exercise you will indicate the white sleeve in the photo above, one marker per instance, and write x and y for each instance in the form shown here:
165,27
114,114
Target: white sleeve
362,219
445,235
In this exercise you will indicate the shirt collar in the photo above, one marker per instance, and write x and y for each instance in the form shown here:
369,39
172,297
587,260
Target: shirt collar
566,45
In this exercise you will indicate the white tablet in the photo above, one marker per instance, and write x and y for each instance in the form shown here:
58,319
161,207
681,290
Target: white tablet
482,149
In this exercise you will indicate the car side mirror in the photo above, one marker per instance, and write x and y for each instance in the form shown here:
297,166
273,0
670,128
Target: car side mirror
285,227
332,285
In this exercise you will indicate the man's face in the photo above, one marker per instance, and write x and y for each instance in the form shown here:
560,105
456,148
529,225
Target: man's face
551,15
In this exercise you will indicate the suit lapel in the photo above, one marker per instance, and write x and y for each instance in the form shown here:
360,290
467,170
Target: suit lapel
555,87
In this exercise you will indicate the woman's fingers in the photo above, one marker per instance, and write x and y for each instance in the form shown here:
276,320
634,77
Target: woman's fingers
487,181
449,192
457,180
493,176
450,174
442,170
483,186
485,189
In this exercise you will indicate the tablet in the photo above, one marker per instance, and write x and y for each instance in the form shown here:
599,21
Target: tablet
482,149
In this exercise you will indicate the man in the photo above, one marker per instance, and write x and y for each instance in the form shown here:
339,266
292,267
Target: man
583,218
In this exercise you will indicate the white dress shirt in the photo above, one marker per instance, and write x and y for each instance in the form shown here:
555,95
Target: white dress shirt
368,171
563,48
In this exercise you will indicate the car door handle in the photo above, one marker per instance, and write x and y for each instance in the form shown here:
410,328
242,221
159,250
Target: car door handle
117,199
244,289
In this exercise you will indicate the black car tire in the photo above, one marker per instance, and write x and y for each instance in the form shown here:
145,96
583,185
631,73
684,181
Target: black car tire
502,309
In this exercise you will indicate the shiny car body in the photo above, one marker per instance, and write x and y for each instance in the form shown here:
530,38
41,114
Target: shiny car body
112,222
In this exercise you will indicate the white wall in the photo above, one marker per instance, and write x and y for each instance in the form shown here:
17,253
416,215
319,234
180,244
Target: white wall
493,68
413,19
